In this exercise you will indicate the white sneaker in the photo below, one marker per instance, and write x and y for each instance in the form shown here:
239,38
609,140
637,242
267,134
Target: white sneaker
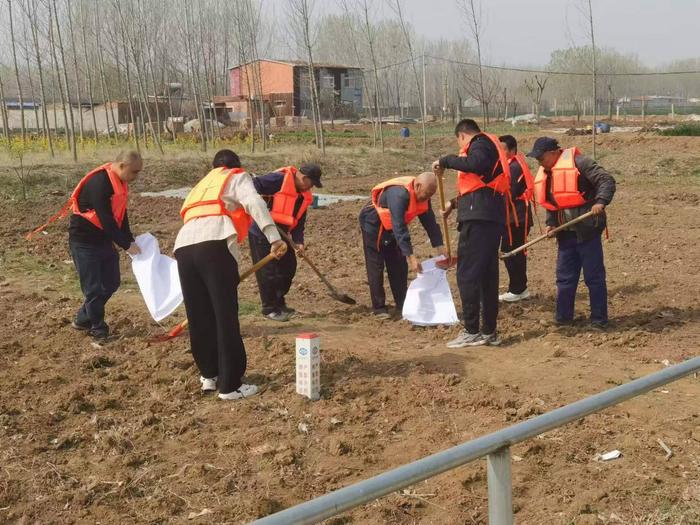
509,297
492,339
208,385
242,392
466,339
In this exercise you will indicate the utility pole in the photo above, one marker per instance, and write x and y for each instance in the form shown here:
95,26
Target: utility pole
425,109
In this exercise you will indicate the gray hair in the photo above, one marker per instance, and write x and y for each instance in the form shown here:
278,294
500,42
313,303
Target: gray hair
128,157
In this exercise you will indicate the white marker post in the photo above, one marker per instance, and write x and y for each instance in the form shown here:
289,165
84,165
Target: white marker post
309,365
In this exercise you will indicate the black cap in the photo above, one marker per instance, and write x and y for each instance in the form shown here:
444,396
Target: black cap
313,171
543,145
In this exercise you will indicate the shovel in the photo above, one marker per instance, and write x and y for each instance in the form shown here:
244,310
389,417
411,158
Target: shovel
335,294
547,235
181,327
451,261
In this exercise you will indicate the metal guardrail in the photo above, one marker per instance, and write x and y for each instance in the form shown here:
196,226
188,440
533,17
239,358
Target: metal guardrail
496,446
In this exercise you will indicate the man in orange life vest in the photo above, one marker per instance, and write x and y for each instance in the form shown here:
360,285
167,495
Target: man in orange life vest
521,191
386,239
98,225
217,214
288,194
483,182
568,185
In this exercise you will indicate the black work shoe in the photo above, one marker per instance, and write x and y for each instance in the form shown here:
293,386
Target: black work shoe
99,332
381,313
75,325
599,325
289,311
280,317
569,322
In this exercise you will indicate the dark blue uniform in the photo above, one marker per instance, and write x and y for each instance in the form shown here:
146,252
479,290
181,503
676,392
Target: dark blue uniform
93,250
517,264
393,247
275,278
580,247
482,219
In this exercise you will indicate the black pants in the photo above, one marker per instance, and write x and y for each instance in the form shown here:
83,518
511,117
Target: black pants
477,273
98,271
517,264
388,255
275,278
209,279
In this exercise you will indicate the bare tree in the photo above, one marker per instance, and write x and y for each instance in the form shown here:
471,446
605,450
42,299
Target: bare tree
190,73
88,72
134,119
81,125
113,130
17,77
65,82
56,77
370,36
135,42
3,113
535,87
396,7
300,13
473,14
595,72
31,12
26,53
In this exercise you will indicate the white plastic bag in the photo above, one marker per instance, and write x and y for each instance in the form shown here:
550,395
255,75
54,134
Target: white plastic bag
157,277
429,299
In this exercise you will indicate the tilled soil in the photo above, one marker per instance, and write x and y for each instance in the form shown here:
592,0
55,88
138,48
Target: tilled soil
119,433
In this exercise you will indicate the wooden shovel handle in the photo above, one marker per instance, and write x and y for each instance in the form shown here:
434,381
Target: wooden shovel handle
443,207
547,235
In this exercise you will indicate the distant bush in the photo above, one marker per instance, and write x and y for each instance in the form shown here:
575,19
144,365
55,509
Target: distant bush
682,130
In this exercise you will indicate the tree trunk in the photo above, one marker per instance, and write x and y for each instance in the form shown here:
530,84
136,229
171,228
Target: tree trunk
595,72
65,82
32,92
57,78
17,79
138,59
3,114
37,55
133,117
106,98
88,73
190,72
81,124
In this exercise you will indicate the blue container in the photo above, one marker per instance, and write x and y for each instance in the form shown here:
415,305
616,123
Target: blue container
314,202
404,133
602,127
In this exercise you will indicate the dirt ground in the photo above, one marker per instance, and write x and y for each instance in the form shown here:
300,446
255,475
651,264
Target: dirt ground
120,433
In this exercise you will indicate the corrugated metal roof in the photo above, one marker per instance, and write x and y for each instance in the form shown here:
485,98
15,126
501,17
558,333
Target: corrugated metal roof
299,63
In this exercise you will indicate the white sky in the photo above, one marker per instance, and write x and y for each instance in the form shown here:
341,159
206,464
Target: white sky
519,32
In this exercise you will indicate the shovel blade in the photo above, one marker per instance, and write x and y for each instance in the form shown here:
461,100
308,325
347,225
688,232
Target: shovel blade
343,298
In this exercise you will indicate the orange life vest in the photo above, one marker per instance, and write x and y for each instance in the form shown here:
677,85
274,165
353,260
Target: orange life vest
529,193
119,201
469,182
204,200
284,201
565,192
414,209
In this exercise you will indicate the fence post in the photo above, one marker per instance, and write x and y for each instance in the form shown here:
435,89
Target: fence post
500,487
